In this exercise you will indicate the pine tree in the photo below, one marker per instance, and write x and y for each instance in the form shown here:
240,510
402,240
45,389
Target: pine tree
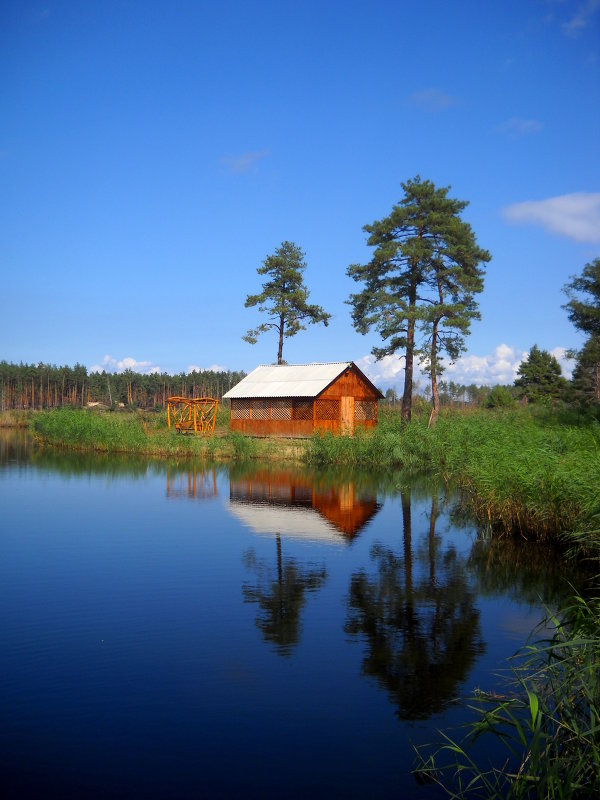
420,284
284,297
540,376
583,308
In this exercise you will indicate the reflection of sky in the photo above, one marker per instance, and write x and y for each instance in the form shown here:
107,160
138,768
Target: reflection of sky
184,684
289,521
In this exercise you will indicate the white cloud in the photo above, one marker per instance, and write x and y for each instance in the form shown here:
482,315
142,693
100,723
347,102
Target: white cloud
110,364
498,367
239,165
582,19
576,216
566,364
516,127
212,368
432,100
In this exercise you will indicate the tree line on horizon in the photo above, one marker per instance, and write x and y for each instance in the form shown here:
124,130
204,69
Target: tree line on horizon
39,386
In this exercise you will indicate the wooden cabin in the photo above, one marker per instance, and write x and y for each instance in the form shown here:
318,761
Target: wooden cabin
297,399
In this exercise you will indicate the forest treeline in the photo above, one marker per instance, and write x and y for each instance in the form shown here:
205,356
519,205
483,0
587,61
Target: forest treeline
39,386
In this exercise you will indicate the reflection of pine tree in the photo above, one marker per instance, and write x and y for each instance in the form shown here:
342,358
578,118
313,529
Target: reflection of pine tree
280,601
422,639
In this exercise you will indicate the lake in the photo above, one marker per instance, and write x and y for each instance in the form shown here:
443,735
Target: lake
171,630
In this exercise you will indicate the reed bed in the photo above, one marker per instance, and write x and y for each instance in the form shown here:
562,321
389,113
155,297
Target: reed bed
516,471
543,729
146,433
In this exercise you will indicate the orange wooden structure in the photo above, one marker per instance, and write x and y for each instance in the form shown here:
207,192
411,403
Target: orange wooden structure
295,400
192,414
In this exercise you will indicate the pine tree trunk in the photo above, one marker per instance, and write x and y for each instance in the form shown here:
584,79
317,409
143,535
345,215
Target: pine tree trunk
435,398
280,351
410,356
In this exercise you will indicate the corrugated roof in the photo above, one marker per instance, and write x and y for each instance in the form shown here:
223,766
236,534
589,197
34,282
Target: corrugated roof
287,380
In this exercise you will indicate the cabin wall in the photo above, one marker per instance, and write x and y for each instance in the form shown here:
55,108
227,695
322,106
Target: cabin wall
256,427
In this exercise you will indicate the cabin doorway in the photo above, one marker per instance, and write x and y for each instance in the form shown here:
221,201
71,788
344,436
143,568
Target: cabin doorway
347,415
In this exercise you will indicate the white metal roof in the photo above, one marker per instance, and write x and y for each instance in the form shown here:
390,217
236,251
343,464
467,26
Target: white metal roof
287,380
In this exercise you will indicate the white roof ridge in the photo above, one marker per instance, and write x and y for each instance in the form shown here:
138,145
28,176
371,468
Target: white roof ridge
308,364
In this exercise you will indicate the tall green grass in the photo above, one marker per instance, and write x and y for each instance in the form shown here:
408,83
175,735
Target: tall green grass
143,433
516,471
544,730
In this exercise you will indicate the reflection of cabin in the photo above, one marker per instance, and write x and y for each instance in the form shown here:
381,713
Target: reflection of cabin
295,400
296,505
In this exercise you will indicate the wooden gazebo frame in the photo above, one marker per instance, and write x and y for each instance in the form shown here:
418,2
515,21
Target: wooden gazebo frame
192,414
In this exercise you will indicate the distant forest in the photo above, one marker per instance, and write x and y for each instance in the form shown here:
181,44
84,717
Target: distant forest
48,386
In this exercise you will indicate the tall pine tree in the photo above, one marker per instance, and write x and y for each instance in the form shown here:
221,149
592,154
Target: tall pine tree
583,308
420,285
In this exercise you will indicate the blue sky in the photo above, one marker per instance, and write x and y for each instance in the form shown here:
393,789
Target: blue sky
153,154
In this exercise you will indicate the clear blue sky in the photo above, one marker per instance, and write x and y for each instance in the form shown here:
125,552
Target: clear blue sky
153,154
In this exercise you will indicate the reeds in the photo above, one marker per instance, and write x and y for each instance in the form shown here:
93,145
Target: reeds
144,433
544,730
516,471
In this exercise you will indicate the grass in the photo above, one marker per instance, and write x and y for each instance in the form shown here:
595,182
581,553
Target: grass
545,727
15,419
146,433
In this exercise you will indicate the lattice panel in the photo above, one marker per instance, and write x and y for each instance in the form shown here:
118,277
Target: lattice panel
260,409
328,409
365,410
303,409
281,409
240,409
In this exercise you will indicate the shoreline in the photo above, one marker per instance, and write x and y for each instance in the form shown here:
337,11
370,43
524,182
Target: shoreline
530,473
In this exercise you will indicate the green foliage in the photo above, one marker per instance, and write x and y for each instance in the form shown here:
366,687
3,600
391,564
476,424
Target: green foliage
142,433
583,292
586,375
284,297
516,470
540,377
501,397
583,308
546,726
85,429
424,274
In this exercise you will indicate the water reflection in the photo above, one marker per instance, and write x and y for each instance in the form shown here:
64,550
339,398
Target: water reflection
199,484
293,503
280,595
15,445
139,654
421,628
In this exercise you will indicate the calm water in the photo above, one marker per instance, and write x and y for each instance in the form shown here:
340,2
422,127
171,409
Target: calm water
170,631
